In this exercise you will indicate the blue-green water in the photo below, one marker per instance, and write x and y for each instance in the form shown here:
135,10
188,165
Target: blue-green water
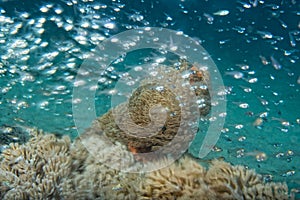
43,44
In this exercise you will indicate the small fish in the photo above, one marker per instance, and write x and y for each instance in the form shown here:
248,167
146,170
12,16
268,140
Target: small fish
244,4
272,6
259,156
275,63
241,104
249,113
263,59
285,130
13,137
292,40
221,13
282,23
168,17
235,74
298,80
258,122
289,173
244,105
209,18
252,80
243,66
263,101
265,34
282,121
253,2
224,41
246,89
290,52
239,29
264,114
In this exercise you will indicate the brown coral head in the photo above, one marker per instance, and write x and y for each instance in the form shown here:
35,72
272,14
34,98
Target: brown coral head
151,108
161,114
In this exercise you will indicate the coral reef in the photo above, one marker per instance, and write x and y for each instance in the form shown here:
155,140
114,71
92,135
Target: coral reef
96,165
47,167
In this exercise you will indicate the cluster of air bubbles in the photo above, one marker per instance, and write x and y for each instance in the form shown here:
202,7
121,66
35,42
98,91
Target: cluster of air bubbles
42,47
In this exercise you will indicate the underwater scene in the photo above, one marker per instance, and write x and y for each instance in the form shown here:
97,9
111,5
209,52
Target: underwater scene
150,99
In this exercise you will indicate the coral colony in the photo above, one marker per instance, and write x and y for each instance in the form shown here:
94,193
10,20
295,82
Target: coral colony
49,167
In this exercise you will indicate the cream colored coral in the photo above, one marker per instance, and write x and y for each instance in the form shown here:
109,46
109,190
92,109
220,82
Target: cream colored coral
47,167
237,182
186,179
35,169
181,180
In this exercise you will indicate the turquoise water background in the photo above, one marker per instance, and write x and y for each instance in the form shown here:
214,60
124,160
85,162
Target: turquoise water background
36,91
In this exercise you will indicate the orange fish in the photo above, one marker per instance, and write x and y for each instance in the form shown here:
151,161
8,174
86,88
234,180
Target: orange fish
196,75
